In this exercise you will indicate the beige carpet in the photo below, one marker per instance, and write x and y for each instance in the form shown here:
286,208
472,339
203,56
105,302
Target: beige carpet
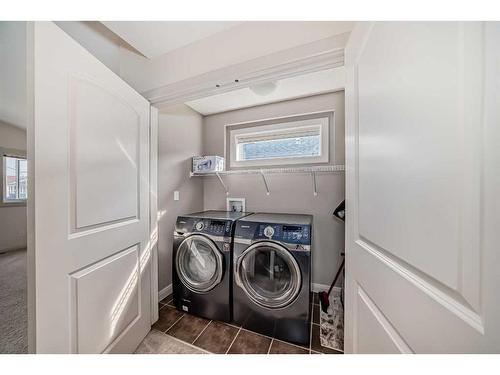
13,308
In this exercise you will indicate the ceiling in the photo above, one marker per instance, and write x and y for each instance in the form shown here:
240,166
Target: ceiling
155,38
319,82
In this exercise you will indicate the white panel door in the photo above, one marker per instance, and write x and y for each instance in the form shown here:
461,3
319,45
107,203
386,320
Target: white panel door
422,137
90,147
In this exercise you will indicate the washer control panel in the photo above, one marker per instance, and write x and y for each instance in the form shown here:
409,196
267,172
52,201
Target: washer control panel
214,227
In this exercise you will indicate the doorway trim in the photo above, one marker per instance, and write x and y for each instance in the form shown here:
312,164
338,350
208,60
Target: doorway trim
312,57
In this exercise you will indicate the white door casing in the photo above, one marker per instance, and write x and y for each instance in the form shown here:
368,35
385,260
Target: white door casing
153,211
422,181
90,147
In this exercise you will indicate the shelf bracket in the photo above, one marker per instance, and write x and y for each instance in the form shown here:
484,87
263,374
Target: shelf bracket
313,175
222,183
265,182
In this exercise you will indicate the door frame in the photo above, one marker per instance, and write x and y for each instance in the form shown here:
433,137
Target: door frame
153,208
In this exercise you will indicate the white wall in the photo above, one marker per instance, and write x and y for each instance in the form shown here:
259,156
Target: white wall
179,138
12,122
12,218
13,73
250,40
289,193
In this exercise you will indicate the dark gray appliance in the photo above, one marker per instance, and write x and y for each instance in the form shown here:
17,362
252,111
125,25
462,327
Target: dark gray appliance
202,258
272,275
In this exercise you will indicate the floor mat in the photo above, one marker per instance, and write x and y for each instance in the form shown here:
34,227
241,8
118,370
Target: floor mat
332,324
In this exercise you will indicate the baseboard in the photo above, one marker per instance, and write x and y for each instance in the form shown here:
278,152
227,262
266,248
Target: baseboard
13,249
164,292
316,288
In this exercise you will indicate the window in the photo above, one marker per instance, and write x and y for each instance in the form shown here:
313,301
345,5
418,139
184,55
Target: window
15,179
298,140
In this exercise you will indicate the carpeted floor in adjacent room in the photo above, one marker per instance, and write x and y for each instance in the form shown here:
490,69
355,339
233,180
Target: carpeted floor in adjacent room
13,303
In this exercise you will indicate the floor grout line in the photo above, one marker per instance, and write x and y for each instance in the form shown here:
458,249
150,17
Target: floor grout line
162,307
274,338
232,325
232,342
203,330
174,323
271,344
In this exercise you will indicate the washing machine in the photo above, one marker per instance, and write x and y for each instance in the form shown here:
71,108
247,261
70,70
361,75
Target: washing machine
272,275
201,263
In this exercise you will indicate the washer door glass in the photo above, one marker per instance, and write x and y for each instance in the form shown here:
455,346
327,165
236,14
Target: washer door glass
199,263
269,275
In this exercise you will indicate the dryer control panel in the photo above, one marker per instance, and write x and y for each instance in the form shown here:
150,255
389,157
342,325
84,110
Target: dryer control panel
294,234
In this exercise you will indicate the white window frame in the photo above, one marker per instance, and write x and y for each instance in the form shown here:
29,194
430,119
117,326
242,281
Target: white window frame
323,121
11,154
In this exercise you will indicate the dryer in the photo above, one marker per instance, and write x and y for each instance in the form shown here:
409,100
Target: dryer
201,263
272,275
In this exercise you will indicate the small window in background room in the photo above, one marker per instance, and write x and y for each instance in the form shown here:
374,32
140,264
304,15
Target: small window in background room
15,179
286,142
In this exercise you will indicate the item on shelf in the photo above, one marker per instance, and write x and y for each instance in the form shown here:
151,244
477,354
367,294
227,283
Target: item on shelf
208,164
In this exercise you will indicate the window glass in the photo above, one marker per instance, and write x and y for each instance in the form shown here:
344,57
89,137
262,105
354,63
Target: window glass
291,141
292,146
15,179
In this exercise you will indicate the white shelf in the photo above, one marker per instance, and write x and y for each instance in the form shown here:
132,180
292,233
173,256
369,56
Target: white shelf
320,169
267,171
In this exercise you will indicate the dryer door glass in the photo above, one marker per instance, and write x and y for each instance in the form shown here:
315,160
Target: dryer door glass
199,263
269,275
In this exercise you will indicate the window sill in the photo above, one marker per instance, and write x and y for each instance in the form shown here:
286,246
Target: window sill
12,204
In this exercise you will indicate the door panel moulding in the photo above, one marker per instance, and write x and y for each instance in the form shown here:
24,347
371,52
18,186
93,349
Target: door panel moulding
320,55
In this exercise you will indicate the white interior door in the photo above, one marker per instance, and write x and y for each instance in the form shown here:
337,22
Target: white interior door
423,154
89,141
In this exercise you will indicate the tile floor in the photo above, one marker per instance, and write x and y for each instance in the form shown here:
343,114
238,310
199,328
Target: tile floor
178,332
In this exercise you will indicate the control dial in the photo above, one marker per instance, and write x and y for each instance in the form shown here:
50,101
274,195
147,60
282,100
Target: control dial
200,225
268,232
